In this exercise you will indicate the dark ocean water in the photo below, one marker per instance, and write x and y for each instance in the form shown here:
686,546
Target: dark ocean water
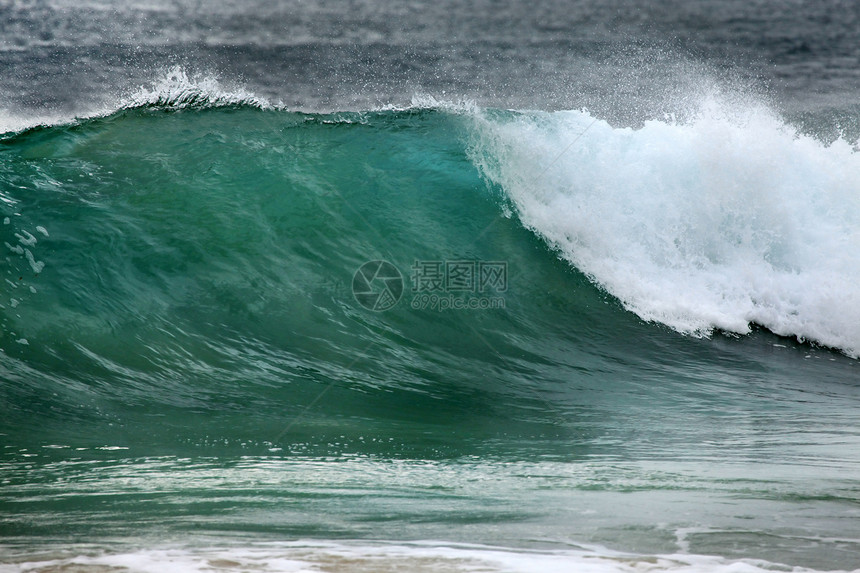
447,286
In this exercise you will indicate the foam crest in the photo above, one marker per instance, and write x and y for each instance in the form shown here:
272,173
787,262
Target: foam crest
724,220
419,557
177,90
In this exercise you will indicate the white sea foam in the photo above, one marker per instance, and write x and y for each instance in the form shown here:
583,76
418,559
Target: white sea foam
17,249
37,266
420,557
27,239
727,219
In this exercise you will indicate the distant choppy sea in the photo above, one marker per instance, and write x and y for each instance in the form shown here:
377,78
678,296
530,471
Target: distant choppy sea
367,286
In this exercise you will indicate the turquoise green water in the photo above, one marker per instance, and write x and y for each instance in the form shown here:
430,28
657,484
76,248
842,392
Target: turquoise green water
183,357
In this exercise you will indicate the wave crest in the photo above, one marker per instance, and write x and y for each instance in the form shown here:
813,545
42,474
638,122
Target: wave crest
176,90
728,219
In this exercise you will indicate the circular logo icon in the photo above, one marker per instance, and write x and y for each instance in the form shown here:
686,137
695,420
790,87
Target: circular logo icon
377,285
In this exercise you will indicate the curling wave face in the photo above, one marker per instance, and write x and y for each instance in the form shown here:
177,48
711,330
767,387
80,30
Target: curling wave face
178,322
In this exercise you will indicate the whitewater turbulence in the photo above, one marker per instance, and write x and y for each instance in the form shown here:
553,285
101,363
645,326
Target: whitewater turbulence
729,219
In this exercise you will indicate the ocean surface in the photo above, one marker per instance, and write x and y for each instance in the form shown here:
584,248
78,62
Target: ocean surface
447,286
